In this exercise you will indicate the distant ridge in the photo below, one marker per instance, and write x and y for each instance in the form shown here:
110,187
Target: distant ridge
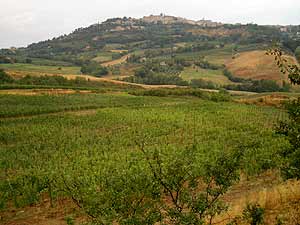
163,19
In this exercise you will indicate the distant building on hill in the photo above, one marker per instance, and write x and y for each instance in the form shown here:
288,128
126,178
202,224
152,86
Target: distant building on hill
283,29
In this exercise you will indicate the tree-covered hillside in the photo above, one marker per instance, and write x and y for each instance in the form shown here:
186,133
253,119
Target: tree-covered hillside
164,50
148,33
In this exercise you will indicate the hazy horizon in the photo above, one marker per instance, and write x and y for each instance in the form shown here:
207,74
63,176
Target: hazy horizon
23,23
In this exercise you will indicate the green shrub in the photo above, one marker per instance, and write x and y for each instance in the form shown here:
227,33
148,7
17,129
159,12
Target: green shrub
254,214
5,78
291,130
200,83
94,68
221,96
297,53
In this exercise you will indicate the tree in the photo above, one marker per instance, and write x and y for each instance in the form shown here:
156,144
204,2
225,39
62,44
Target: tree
292,70
194,192
297,53
254,214
291,128
27,60
94,68
5,78
142,72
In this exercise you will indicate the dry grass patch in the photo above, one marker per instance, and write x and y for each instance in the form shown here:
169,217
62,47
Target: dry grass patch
279,199
257,65
276,100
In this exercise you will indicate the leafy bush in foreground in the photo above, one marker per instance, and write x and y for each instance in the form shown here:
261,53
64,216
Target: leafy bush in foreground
291,129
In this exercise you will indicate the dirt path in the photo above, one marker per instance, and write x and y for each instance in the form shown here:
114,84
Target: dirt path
117,61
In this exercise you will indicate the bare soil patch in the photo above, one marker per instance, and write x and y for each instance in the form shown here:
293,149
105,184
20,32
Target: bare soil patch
43,213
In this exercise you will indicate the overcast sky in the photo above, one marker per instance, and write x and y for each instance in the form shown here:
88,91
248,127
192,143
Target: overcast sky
25,21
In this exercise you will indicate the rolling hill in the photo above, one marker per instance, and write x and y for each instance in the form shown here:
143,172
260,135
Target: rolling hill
256,65
170,50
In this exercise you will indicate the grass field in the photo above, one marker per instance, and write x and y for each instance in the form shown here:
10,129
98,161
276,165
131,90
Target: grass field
33,105
40,69
216,76
103,57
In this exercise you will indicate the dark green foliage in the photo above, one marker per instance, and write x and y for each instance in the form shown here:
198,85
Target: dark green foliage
28,60
59,81
264,86
297,53
221,96
141,73
46,80
94,68
290,44
157,79
5,78
159,73
254,214
258,86
233,78
133,58
196,47
291,129
200,83
70,220
206,65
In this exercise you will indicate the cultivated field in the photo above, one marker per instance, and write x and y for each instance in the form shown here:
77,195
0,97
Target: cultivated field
215,76
31,68
52,140
152,121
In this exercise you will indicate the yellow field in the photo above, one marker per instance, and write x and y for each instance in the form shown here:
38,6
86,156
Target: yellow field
256,65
